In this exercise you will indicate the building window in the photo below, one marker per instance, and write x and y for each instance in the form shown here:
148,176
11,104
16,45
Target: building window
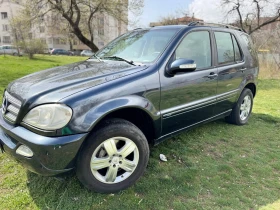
62,41
75,42
101,26
6,39
4,15
5,27
42,29
56,41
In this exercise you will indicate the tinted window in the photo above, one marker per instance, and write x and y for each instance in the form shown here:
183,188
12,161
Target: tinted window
224,47
196,46
237,52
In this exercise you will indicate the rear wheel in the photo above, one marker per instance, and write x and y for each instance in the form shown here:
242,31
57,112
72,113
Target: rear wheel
243,108
114,157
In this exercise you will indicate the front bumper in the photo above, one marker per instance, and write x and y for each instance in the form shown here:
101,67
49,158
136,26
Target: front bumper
52,155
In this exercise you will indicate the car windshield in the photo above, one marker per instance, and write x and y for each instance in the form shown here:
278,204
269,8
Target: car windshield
143,46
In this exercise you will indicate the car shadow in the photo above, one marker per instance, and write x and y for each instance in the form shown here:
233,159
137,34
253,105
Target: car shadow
60,192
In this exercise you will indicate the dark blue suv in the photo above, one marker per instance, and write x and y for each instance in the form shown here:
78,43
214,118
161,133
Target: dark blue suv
99,116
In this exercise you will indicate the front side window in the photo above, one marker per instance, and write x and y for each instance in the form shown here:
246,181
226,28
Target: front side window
143,46
224,47
196,46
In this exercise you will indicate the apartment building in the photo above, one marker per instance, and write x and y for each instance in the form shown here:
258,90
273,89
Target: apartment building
49,28
7,10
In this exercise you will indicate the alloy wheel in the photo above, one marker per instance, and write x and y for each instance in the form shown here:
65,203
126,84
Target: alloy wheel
114,160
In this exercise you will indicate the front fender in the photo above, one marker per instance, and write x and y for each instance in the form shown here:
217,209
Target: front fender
87,121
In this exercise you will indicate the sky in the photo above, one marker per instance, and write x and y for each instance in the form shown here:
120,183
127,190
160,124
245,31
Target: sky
155,9
208,10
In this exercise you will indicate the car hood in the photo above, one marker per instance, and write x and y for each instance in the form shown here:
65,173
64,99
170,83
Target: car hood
53,84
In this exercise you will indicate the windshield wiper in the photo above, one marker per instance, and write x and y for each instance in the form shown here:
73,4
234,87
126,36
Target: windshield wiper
120,59
100,60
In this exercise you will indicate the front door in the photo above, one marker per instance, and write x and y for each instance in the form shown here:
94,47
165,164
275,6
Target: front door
190,97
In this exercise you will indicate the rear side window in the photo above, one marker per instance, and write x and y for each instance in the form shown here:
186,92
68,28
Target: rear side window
228,48
196,46
237,52
224,47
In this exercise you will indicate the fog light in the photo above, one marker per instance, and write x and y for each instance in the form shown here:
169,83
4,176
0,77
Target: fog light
24,151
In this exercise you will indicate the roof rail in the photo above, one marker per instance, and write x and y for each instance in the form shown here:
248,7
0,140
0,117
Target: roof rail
215,24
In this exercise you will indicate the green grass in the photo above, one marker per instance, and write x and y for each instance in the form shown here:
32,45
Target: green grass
215,166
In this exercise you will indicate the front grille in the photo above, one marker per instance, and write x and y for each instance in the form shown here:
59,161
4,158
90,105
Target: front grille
10,107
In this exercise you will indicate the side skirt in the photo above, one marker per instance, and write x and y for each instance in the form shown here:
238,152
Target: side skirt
167,136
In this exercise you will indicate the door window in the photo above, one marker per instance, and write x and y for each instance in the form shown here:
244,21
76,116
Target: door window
224,47
196,46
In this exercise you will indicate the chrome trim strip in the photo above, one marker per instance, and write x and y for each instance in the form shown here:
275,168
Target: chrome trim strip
168,115
13,109
189,105
227,95
197,104
10,117
12,99
195,124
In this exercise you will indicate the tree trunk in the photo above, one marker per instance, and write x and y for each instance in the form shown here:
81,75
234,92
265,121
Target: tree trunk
71,45
30,55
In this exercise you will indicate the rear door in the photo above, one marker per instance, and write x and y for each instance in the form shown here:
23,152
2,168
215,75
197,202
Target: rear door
190,97
231,67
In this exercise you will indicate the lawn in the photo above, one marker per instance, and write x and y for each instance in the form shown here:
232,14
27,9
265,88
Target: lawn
215,166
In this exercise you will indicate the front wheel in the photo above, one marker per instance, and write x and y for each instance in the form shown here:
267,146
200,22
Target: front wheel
243,108
114,157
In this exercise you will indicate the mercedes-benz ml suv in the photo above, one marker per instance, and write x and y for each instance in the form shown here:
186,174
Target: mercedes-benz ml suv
98,116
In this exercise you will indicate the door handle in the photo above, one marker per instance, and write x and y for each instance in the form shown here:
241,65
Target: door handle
212,75
243,69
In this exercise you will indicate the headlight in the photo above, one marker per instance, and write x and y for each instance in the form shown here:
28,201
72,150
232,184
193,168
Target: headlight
49,116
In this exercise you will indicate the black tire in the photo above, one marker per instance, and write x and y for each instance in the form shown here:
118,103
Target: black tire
234,117
107,130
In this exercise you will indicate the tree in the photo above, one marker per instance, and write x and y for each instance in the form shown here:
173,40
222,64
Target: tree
21,28
80,14
251,13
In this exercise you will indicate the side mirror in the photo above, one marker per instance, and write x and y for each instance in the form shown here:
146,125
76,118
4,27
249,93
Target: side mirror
181,65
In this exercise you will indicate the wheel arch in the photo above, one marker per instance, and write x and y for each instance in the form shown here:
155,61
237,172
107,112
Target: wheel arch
135,109
251,86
